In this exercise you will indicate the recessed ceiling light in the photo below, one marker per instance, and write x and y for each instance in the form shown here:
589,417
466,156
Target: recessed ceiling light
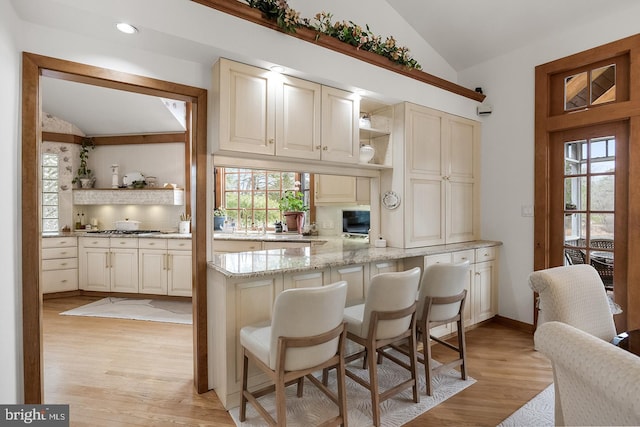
277,69
126,28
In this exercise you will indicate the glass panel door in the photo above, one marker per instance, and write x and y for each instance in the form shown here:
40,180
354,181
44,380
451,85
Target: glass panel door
588,218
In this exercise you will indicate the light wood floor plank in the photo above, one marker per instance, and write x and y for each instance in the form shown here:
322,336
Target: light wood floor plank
116,372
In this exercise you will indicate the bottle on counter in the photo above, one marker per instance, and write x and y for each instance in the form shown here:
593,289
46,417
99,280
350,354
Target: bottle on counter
78,224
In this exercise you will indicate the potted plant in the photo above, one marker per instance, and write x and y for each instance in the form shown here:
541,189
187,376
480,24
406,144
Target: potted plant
219,215
293,208
84,175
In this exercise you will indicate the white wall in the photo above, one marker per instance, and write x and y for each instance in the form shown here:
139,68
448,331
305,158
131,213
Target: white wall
10,289
508,147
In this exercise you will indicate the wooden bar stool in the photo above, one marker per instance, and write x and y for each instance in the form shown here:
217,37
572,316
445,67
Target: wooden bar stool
307,334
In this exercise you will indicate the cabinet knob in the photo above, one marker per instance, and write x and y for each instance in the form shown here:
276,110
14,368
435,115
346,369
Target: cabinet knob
271,141
318,147
325,148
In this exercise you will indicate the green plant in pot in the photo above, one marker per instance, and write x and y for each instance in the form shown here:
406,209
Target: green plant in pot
84,175
293,208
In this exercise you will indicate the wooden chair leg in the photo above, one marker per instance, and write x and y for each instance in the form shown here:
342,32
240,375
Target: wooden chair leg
281,404
413,362
462,349
427,361
300,386
243,398
342,391
373,382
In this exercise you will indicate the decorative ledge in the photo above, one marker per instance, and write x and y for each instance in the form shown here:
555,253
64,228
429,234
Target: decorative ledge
244,11
108,196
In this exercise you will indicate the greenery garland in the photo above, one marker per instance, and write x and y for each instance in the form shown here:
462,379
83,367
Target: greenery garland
289,20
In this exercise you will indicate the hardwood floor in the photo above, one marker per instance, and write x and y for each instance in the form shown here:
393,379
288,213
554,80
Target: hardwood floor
115,372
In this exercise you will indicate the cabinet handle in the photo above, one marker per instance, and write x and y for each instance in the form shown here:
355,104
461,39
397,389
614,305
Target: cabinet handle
63,253
164,261
63,281
271,140
318,147
63,264
106,259
325,148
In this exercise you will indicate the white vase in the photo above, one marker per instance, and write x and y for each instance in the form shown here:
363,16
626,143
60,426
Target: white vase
366,153
184,227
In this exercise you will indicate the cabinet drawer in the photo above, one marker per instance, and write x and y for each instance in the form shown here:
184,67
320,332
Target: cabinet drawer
118,242
60,280
59,242
462,256
94,242
179,244
437,259
53,253
59,264
236,245
152,243
485,254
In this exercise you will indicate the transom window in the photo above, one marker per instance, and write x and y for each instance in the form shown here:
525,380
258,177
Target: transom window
50,181
592,87
251,197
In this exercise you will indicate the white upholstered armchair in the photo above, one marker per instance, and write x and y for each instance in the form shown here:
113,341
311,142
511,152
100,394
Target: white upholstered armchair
574,295
596,383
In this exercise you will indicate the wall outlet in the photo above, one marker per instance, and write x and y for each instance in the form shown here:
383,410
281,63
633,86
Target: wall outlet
327,225
526,210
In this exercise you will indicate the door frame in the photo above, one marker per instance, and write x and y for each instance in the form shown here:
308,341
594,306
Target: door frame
34,66
547,122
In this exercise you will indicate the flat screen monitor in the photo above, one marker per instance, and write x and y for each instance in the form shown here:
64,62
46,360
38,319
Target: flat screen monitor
356,222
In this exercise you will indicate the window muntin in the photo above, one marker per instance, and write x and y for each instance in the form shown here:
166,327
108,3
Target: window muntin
592,87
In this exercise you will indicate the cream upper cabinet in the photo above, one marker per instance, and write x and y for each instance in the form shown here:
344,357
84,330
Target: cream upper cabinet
340,132
247,108
347,190
439,189
257,111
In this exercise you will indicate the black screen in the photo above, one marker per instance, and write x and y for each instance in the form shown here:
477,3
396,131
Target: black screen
355,222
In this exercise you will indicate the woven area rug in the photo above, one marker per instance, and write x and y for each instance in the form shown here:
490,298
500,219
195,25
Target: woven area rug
538,412
314,406
137,309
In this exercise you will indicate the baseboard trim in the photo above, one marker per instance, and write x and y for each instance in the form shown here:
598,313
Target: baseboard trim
514,324
83,293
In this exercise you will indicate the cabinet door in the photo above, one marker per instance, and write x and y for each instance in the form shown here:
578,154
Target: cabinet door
152,266
298,118
334,189
461,137
59,280
247,108
124,270
307,279
179,273
357,278
363,191
426,211
340,133
485,301
94,269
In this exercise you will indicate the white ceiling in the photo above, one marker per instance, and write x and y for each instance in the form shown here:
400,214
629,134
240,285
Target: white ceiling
463,32
101,111
468,32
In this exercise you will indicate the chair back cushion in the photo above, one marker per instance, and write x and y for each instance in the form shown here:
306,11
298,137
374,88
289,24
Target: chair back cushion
442,280
391,292
596,383
307,312
575,295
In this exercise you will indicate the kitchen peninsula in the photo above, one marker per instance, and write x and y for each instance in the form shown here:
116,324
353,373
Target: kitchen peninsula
243,287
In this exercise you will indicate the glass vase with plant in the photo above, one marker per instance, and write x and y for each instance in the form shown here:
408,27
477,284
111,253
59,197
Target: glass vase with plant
84,175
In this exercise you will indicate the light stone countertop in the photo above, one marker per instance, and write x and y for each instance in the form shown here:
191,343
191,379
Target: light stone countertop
334,253
273,237
160,235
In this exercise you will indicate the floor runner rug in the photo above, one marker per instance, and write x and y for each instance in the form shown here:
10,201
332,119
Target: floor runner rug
538,412
137,309
314,406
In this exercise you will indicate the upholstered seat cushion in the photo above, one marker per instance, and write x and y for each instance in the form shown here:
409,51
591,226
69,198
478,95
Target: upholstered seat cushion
255,338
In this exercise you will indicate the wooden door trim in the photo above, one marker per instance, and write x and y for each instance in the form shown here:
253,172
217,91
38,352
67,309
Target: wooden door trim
546,123
33,66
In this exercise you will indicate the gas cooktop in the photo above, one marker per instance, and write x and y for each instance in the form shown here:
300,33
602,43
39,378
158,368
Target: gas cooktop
123,231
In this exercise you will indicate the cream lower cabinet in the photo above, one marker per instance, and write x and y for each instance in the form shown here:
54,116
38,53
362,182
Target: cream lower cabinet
108,264
481,286
227,246
357,278
59,264
165,266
